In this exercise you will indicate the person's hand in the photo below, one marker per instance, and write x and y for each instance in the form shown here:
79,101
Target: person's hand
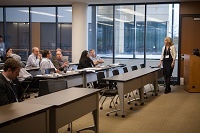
100,61
9,53
39,56
96,62
57,71
172,65
65,64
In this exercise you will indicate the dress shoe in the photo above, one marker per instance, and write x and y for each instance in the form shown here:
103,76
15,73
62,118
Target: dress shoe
166,91
169,90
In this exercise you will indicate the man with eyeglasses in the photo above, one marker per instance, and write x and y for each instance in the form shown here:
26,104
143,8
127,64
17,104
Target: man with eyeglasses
46,62
35,58
59,63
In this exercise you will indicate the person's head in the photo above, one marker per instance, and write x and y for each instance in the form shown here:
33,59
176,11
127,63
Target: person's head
58,55
46,54
84,54
35,51
58,49
11,68
168,41
1,38
8,51
92,52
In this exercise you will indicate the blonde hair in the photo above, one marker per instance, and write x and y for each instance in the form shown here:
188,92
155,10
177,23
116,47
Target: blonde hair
169,41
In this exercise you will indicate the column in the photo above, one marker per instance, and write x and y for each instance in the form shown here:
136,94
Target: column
79,30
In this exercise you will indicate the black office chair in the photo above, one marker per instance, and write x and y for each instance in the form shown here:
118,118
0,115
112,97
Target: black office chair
134,67
108,90
30,85
142,65
125,69
50,70
115,72
51,85
145,92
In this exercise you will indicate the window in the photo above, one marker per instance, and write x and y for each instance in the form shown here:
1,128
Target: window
134,38
65,30
44,19
17,30
162,21
1,21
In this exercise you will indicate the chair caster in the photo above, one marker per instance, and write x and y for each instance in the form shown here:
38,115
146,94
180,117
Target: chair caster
116,102
68,129
125,96
135,104
131,108
116,114
142,104
129,95
152,94
107,114
129,103
110,106
156,94
145,93
123,116
101,108
158,90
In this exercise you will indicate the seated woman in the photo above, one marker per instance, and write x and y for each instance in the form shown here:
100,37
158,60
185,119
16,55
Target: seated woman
85,61
10,54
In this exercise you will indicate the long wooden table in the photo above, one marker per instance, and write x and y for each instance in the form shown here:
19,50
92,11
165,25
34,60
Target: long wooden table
69,105
133,80
24,118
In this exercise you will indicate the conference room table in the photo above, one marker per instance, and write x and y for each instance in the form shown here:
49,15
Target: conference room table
24,118
133,80
69,105
80,76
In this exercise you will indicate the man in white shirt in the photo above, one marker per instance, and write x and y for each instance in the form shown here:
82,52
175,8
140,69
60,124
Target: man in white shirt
46,62
34,59
96,59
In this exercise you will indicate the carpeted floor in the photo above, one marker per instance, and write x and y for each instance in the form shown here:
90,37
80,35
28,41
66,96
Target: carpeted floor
177,112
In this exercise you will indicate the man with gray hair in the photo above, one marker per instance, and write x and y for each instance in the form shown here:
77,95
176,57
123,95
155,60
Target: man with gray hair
35,58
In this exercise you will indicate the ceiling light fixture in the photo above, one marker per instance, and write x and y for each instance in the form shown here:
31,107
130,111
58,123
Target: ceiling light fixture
40,13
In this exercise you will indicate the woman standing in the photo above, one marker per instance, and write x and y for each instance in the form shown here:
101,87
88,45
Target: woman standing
167,59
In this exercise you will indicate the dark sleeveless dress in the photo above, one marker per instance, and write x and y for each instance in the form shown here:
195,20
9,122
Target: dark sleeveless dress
167,69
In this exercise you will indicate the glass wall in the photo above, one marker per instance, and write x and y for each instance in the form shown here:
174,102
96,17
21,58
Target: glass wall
139,31
64,35
1,21
105,32
162,21
45,18
17,30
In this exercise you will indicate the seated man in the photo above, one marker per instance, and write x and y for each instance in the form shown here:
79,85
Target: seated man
46,62
8,92
96,60
34,59
59,63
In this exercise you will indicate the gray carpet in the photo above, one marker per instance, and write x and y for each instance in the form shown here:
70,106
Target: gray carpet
177,112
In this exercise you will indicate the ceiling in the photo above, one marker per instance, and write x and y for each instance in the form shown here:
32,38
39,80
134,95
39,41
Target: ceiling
69,2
